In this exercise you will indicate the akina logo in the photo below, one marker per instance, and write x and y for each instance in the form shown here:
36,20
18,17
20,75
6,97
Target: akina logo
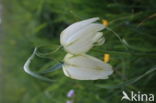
137,96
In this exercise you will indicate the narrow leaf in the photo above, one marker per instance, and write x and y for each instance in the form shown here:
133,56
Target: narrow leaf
27,68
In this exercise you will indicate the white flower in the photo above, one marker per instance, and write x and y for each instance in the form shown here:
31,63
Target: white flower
85,67
81,36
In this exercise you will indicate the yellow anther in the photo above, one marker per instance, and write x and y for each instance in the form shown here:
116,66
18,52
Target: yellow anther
106,58
105,22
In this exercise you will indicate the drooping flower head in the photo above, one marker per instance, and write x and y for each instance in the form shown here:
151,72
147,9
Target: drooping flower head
81,36
85,67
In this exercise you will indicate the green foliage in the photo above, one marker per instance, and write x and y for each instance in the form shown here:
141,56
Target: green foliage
31,23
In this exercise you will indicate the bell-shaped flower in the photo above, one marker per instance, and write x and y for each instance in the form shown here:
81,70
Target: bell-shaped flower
85,67
81,36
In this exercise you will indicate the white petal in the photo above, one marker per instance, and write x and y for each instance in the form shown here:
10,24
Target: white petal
99,39
70,30
82,41
85,67
88,31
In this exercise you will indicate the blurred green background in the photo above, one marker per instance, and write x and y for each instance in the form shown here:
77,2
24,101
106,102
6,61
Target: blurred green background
30,23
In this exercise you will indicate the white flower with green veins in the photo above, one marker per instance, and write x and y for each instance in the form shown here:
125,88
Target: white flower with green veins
81,36
86,67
